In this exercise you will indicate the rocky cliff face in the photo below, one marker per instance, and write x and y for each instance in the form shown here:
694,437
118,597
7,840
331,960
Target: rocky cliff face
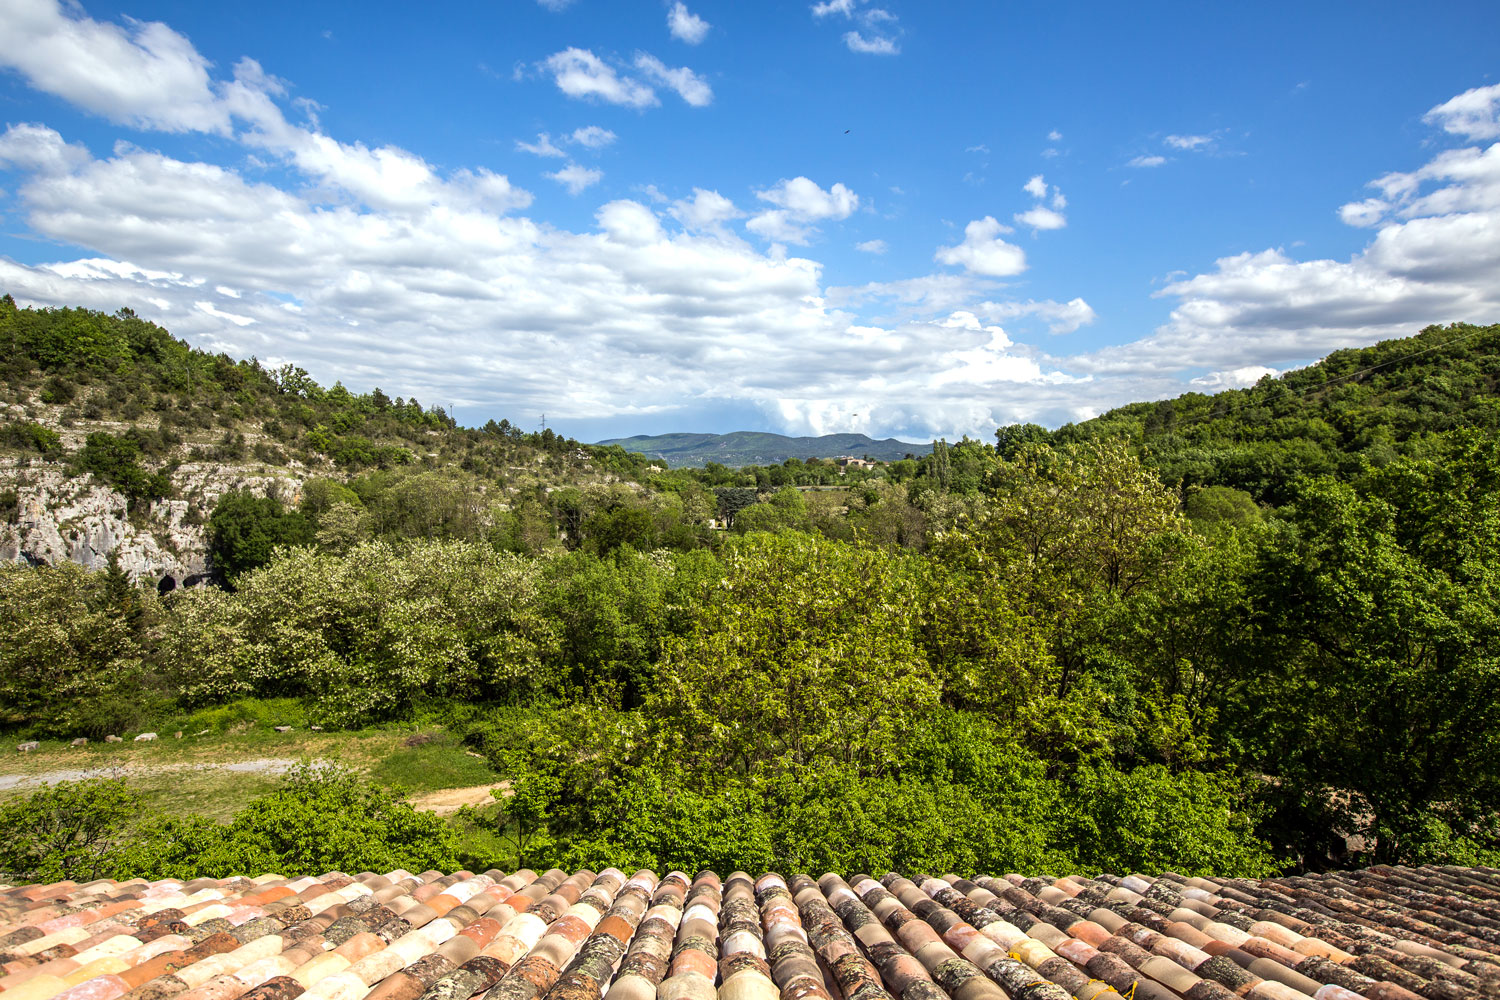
60,518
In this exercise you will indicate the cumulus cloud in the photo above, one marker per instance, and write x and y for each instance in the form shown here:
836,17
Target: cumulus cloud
579,73
1189,142
576,178
1060,317
1041,217
38,148
360,261
705,210
689,86
800,201
876,247
1474,114
878,29
1432,259
592,137
684,25
1234,378
806,200
984,252
142,74
542,147
1147,161
844,7
630,223
877,45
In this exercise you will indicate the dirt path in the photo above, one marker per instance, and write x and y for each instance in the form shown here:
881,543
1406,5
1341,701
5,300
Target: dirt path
448,801
265,765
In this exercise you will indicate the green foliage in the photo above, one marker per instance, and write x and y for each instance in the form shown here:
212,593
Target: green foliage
116,460
1151,819
1380,684
246,528
368,635
322,818
27,436
66,831
1354,409
806,648
70,660
1205,633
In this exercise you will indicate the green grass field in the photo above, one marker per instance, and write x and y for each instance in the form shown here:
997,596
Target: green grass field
241,756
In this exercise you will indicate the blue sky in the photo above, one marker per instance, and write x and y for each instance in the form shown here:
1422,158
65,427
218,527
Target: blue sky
897,218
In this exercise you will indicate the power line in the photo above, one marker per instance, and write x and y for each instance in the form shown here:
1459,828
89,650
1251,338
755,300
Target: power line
1398,360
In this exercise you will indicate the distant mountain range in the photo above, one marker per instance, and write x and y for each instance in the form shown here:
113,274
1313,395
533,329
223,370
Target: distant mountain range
757,448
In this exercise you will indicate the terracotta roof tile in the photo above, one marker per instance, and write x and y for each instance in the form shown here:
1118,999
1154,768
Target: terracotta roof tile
1380,934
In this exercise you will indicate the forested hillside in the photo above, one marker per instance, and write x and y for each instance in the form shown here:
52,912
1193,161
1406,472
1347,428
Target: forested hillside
1233,634
1352,410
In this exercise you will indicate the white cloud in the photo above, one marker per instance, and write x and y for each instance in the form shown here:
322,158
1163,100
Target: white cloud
208,309
984,252
1432,259
1041,217
804,199
981,148
1147,161
1061,317
686,26
1188,141
880,26
1364,213
542,147
689,85
844,7
1234,378
143,74
876,247
579,73
358,262
919,297
1054,136
575,178
778,226
799,202
556,5
877,45
630,223
592,137
40,149
1474,114
706,210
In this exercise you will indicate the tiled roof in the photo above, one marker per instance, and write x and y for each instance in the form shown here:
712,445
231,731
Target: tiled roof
1381,933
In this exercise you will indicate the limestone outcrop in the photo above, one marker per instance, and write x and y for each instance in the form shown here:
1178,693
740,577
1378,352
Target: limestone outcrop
61,517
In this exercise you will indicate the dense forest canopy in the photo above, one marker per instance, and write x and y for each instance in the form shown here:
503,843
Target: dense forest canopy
1223,634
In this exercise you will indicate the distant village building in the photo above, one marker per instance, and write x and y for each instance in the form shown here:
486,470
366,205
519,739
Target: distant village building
846,462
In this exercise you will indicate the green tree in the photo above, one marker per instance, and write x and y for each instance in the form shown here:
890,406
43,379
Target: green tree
1379,699
72,830
71,658
245,528
806,648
